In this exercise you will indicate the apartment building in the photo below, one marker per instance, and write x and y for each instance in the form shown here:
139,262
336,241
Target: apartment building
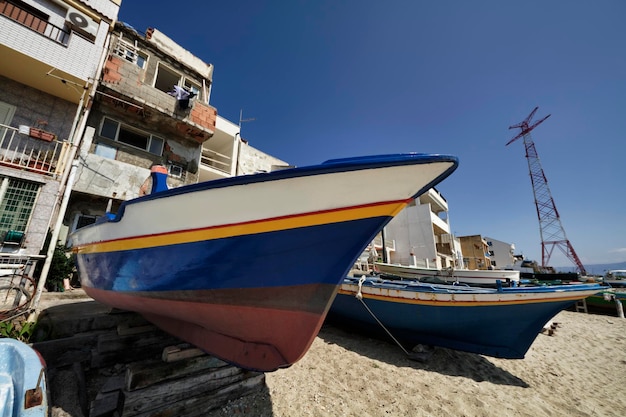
501,254
420,235
51,51
151,106
475,252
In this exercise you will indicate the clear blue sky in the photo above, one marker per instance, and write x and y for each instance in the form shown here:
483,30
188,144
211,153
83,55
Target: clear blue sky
330,78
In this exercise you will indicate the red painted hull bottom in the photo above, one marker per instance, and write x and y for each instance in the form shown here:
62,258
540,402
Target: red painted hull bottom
246,327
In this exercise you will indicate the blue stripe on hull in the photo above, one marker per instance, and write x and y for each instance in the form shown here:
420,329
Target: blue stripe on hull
289,257
503,331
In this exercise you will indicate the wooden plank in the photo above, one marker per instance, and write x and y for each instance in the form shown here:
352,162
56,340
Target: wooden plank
127,329
143,374
200,405
106,405
180,352
112,342
159,395
67,350
121,350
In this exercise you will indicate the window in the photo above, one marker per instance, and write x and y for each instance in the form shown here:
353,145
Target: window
6,115
156,145
17,204
114,130
82,220
130,53
105,151
25,14
166,79
192,87
175,171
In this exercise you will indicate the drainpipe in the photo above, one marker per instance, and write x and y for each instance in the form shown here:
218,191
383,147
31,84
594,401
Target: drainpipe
237,149
55,236
68,181
382,235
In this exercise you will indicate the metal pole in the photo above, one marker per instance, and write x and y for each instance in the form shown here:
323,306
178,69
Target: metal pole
53,242
75,142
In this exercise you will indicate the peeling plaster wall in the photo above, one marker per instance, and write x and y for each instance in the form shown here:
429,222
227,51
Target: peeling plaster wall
252,160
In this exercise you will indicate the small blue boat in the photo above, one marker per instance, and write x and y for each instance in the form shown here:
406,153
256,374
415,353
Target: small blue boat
498,322
23,384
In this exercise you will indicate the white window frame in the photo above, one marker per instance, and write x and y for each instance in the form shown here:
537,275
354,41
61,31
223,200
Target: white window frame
163,67
150,138
183,81
175,171
131,53
77,218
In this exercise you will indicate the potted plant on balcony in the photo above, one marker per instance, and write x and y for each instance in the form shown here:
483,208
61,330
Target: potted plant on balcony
41,134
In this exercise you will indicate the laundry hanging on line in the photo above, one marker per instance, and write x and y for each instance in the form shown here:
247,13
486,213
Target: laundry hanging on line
182,95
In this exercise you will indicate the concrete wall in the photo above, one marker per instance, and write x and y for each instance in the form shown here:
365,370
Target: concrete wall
412,232
252,160
502,253
33,106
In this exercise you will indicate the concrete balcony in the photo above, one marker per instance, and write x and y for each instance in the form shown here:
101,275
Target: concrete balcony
120,91
435,199
32,149
46,56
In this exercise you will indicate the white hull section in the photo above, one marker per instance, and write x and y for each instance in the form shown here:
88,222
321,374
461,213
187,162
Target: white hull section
468,276
261,200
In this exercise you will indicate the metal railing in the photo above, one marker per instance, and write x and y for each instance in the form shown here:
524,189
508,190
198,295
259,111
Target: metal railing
389,243
31,21
21,151
216,160
17,285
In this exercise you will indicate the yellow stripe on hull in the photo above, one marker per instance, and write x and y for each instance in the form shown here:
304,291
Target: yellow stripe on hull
449,303
389,209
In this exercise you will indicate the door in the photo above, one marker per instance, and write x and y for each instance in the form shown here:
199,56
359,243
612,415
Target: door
6,115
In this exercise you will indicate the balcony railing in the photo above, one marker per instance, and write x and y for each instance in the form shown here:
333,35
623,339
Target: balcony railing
216,160
390,244
34,22
22,151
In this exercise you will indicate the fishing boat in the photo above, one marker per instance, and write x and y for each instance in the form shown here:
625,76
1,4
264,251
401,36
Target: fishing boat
220,264
500,322
611,300
489,277
23,383
615,277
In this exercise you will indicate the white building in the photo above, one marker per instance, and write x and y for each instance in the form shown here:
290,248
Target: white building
420,235
501,253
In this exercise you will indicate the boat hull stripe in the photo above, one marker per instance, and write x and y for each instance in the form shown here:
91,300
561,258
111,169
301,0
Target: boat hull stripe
247,228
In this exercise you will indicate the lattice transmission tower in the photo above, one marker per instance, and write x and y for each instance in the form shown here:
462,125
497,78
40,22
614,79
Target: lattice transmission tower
550,226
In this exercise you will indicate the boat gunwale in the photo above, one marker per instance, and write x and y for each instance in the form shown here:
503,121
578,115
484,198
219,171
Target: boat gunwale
327,167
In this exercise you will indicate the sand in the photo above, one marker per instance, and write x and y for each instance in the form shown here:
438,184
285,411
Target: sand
578,371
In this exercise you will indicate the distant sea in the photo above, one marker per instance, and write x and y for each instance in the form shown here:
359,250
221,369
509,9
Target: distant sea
596,269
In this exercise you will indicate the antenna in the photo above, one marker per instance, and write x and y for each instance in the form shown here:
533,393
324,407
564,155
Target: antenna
550,227
242,120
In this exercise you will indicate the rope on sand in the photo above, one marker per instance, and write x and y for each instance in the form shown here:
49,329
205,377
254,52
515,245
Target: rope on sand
359,295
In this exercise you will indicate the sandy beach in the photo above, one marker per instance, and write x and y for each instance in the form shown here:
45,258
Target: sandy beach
578,371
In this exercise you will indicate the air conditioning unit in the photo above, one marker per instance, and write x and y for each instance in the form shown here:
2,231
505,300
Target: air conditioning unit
81,23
